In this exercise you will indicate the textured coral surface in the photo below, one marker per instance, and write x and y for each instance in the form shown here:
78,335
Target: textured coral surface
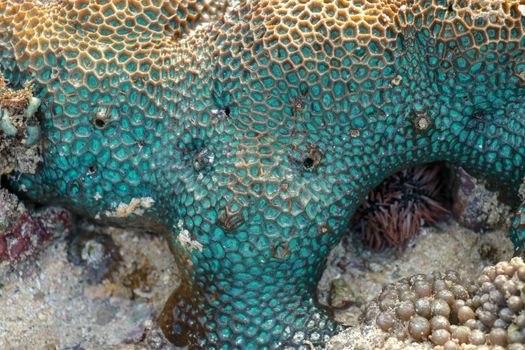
250,134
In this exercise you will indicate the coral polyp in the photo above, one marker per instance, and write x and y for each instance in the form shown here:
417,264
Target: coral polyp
249,133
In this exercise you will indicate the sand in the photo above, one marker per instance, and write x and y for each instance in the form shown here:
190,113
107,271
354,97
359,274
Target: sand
47,302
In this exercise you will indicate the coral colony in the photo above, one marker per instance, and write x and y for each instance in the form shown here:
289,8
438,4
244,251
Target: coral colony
250,134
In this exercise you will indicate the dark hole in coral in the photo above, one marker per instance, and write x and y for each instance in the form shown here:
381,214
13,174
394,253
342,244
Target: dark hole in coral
227,111
308,163
92,169
394,211
100,123
450,7
477,121
478,115
39,115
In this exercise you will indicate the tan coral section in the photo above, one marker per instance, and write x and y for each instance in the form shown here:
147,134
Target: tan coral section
119,28
99,36
143,37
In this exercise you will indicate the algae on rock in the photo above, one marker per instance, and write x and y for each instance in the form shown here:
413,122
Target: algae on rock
19,129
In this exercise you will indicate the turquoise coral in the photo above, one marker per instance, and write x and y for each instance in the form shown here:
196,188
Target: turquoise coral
249,135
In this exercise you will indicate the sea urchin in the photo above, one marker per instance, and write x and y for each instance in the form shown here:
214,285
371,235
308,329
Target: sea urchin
394,211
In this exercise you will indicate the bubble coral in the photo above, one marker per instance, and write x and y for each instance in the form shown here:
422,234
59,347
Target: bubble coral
448,310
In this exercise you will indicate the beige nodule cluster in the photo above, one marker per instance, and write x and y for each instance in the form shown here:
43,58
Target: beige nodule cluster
452,313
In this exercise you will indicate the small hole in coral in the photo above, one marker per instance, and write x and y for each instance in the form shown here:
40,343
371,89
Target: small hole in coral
99,123
227,111
308,163
92,170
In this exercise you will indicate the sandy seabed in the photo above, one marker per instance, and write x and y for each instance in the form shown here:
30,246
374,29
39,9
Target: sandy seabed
48,303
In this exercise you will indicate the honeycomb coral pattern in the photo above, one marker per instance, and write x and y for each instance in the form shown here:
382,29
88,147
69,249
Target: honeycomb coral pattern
250,133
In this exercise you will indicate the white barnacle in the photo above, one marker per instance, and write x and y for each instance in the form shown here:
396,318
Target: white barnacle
6,123
185,240
135,207
32,106
31,135
422,123
397,80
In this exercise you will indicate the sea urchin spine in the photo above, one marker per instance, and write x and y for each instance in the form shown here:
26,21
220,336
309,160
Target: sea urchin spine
394,211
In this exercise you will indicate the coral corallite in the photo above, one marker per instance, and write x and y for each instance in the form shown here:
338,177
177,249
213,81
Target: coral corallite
249,134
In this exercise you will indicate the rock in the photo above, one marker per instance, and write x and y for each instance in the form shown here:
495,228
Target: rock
474,206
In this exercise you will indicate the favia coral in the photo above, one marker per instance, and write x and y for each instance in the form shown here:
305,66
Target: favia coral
261,128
